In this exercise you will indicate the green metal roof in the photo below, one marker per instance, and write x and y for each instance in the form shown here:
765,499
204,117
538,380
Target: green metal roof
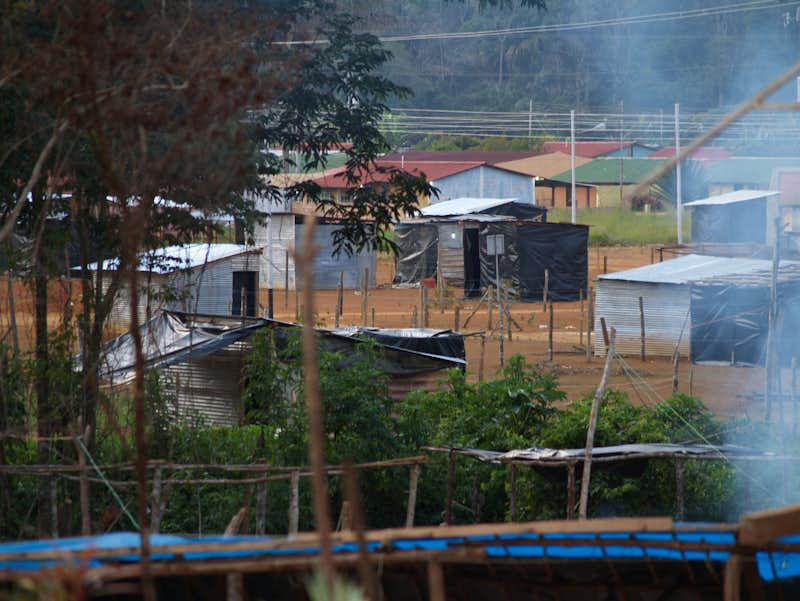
748,170
607,171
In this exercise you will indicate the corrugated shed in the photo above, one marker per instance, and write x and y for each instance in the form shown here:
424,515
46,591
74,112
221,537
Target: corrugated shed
327,266
484,182
209,387
283,228
666,310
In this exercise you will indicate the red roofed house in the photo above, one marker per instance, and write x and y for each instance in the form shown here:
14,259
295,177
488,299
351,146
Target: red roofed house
600,148
709,154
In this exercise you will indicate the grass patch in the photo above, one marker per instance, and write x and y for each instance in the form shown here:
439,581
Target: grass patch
626,228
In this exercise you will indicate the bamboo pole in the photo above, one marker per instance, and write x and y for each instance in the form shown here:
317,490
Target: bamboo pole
598,397
413,485
339,299
294,503
451,484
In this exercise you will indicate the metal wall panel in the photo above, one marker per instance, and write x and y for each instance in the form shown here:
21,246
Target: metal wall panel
209,388
666,310
283,229
485,182
327,267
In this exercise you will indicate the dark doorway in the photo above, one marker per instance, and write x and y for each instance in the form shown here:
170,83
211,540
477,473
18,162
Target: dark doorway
472,264
245,282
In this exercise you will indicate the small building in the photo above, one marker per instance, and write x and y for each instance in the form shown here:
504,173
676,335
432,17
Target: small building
730,314
666,292
595,149
548,192
738,217
606,175
437,243
202,358
220,279
746,173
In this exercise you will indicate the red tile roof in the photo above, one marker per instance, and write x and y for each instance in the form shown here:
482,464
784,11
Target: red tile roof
490,157
433,170
586,149
704,153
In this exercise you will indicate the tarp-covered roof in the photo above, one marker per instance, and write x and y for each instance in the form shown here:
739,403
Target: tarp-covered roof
691,268
732,197
173,337
464,206
174,258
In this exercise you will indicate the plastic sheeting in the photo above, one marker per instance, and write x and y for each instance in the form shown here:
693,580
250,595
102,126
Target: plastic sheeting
21,558
730,323
741,222
529,250
416,252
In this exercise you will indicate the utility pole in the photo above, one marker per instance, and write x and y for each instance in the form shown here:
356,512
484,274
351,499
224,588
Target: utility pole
678,199
621,156
270,304
572,165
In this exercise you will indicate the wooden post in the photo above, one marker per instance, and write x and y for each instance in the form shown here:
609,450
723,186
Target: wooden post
414,317
83,487
480,360
546,289
346,516
501,347
794,398
507,311
604,330
54,507
652,255
436,590
570,491
373,316
641,326
457,319
425,308
364,296
679,488
440,279
605,264
675,360
550,334
451,485
490,310
691,380
296,302
413,485
732,585
286,281
660,255
589,326
580,334
339,298
598,396
294,502
513,492
261,506
12,313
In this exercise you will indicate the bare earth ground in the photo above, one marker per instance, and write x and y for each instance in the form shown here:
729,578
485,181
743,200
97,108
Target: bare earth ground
725,390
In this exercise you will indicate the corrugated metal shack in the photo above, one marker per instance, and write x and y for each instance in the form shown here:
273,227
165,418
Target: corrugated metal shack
665,289
205,278
739,217
730,316
203,356
445,230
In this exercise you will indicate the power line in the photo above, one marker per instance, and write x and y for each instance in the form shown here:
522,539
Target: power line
742,7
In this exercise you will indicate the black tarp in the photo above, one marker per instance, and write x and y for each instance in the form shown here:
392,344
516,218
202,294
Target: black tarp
530,249
518,210
416,252
739,222
730,323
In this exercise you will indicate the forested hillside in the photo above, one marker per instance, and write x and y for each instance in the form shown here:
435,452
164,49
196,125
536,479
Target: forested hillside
714,54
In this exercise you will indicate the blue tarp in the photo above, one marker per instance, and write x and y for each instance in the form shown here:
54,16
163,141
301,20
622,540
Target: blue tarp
771,565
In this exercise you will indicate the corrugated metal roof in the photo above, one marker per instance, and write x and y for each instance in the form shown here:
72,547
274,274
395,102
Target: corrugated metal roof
172,258
732,197
490,157
607,171
748,170
433,170
463,206
586,149
691,268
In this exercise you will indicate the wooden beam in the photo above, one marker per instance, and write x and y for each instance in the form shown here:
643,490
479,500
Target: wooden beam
761,527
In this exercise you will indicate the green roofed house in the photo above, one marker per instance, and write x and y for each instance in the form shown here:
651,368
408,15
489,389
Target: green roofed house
606,174
746,173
